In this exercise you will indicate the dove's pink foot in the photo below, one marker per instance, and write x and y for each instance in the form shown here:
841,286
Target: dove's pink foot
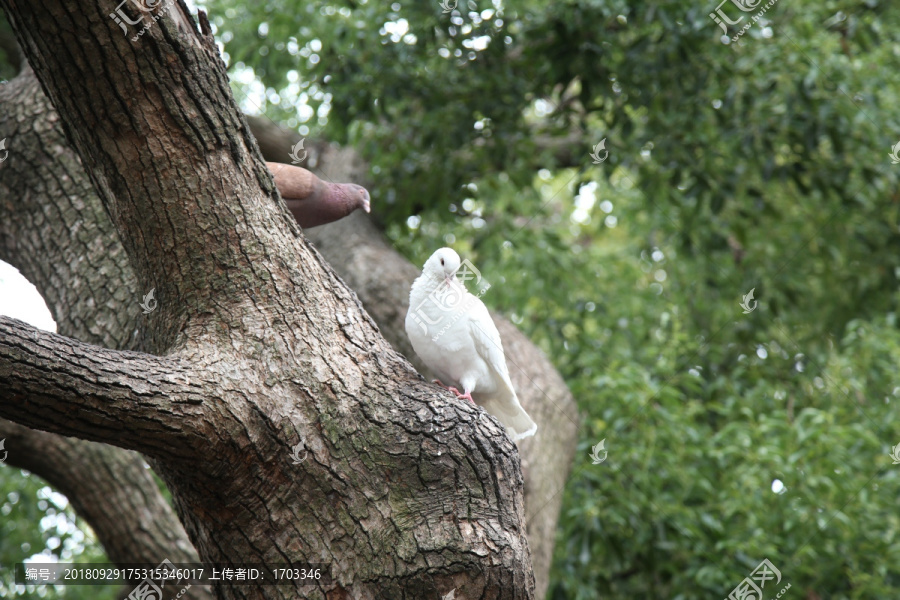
460,395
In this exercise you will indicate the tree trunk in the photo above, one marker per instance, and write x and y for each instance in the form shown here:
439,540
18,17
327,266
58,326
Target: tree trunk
256,346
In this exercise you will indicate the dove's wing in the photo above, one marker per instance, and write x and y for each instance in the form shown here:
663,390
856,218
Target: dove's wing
487,341
504,404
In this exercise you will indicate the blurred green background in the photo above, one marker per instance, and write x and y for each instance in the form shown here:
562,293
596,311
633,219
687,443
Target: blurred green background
762,163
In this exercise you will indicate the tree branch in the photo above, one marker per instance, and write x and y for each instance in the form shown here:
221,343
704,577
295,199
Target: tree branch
110,488
61,385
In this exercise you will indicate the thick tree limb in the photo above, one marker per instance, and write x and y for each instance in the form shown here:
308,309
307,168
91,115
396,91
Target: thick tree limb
64,386
55,230
169,192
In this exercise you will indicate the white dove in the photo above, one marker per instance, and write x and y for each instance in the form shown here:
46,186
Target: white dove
453,333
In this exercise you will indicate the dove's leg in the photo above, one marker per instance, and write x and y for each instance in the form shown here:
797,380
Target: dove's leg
468,384
460,395
443,385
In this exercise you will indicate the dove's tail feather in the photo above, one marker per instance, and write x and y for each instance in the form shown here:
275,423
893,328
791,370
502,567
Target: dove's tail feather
510,413
521,427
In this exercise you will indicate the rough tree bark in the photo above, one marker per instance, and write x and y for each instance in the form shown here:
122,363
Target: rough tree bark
256,345
111,489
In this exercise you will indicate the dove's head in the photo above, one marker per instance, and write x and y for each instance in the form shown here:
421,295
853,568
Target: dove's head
442,264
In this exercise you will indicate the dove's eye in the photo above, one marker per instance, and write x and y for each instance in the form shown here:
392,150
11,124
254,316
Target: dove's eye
442,262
